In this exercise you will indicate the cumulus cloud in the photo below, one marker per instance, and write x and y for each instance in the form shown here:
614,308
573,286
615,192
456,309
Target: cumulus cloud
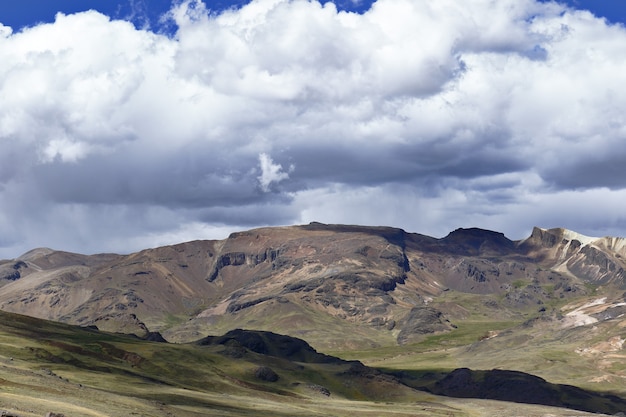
418,114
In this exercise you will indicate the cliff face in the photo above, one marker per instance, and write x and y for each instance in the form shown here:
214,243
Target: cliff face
334,284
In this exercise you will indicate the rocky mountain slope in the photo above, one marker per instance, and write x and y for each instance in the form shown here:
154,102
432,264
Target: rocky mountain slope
336,286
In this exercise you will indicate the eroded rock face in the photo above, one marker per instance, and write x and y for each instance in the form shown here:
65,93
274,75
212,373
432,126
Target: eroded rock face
597,266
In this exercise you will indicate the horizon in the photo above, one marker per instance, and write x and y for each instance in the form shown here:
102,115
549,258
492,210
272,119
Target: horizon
572,233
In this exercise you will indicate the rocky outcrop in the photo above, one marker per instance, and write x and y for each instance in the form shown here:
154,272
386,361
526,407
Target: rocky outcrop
268,255
422,321
265,373
155,337
544,238
11,271
271,344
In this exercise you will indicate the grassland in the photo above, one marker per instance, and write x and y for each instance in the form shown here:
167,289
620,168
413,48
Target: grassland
47,366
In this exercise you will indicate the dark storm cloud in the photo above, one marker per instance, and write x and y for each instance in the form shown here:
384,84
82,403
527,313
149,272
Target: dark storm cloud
403,163
595,171
175,181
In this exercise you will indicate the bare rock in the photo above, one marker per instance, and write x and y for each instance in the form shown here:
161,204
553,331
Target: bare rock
318,389
421,321
265,373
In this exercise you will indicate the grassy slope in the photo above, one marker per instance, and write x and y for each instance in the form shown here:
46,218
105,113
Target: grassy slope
49,366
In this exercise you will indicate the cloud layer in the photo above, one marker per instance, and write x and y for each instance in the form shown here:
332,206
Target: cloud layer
418,114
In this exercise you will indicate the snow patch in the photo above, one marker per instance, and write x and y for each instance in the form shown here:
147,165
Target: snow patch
571,235
578,317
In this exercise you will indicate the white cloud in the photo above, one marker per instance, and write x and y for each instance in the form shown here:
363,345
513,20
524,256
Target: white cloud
270,172
5,31
418,114
65,149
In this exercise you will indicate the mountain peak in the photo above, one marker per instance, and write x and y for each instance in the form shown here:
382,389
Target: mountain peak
554,236
572,235
474,232
36,253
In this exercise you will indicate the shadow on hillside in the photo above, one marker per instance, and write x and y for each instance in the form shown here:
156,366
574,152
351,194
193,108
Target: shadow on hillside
503,385
511,386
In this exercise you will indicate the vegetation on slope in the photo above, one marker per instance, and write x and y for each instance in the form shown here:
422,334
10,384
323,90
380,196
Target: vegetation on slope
48,366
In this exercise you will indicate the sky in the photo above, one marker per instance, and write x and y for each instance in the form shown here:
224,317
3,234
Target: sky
131,124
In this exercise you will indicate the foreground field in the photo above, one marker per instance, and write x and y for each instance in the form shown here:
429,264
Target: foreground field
52,367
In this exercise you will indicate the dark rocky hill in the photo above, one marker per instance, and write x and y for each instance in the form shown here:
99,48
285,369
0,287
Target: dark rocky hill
519,387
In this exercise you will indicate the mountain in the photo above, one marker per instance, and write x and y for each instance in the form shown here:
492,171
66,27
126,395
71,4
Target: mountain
337,286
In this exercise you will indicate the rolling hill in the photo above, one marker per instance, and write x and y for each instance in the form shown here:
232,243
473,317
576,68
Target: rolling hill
51,368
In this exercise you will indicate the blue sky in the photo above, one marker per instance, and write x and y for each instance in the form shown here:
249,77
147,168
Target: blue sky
29,12
420,114
613,10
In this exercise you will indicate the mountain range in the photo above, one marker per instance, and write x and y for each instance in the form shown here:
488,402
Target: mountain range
313,281
472,299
